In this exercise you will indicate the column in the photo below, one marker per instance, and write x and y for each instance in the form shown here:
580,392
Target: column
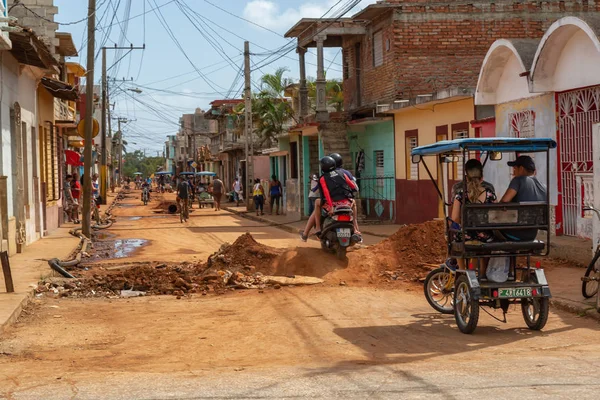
303,88
322,114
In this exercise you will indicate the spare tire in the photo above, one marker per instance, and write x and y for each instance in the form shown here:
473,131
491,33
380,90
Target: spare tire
172,208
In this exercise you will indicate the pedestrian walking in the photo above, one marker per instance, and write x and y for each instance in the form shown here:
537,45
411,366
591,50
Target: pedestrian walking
259,196
75,187
237,191
217,192
69,203
95,186
275,191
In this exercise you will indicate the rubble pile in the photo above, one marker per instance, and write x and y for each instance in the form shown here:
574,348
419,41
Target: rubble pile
244,253
410,253
406,256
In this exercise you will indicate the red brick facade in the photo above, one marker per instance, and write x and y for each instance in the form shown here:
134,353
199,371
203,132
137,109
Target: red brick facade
430,46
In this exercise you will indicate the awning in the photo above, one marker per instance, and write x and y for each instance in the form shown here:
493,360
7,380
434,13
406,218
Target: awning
73,158
29,50
60,89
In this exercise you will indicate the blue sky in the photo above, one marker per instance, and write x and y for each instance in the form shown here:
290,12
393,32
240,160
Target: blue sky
168,75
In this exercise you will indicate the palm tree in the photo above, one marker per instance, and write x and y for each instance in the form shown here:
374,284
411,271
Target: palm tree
274,84
333,91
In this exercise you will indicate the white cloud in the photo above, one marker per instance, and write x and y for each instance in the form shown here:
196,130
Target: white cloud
270,14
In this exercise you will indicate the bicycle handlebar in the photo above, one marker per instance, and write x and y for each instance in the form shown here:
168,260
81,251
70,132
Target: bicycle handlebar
588,208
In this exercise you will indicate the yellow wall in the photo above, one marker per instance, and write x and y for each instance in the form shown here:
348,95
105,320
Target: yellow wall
425,118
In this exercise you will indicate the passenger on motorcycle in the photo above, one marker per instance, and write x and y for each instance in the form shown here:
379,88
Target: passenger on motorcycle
339,162
336,189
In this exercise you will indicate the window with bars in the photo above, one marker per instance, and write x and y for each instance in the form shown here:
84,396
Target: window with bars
522,125
377,49
379,163
51,164
458,166
412,170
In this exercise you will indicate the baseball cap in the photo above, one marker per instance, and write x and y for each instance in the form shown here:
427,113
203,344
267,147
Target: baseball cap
523,161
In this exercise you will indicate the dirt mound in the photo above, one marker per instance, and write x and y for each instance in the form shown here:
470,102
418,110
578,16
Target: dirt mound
244,252
416,245
406,256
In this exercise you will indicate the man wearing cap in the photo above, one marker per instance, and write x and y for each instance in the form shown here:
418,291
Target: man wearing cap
524,187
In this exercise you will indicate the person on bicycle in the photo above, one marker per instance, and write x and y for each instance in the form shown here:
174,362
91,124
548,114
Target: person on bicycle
183,190
145,187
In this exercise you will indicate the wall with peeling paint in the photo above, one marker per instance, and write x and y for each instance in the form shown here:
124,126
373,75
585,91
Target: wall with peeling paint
543,106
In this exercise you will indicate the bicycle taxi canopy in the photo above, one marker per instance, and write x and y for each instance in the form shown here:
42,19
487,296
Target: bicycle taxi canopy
497,216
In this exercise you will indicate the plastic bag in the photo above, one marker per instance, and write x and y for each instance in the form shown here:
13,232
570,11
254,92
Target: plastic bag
498,269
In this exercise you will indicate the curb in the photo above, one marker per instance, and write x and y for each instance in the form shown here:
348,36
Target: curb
247,215
16,313
575,307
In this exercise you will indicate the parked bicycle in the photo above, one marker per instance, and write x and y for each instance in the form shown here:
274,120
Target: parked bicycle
591,278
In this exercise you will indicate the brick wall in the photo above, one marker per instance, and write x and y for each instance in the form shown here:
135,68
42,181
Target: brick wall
436,45
43,26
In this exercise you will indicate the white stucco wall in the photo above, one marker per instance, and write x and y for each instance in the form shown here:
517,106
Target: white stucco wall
511,86
18,86
498,173
578,65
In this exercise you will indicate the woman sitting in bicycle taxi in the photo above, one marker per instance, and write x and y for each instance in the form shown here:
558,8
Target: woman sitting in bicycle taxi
477,191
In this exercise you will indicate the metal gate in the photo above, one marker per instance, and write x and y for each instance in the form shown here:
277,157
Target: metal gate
578,111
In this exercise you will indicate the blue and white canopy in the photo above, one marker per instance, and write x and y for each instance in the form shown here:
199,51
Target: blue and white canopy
499,144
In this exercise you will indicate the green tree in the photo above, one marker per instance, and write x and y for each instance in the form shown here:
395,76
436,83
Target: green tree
333,91
137,162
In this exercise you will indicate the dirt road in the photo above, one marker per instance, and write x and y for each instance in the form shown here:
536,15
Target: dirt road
356,341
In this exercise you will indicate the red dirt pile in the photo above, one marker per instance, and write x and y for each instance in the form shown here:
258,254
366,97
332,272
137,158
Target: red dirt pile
406,255
244,252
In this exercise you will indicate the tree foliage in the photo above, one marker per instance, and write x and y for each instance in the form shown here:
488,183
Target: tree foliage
270,110
137,162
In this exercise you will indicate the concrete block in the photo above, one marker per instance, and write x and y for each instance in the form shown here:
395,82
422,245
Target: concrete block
49,3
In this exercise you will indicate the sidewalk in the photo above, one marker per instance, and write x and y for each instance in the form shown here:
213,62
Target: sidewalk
29,267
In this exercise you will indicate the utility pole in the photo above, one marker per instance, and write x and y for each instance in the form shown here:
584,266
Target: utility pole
120,151
248,126
103,161
89,119
106,120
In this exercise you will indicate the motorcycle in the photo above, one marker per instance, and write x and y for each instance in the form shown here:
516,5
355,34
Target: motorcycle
337,233
145,196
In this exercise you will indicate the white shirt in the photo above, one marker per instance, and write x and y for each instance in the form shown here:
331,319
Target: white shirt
236,186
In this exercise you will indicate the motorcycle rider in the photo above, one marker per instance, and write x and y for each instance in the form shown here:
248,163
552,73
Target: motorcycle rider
336,189
339,162
145,187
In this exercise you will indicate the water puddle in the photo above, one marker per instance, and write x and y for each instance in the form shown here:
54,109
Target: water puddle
134,218
127,205
124,247
119,248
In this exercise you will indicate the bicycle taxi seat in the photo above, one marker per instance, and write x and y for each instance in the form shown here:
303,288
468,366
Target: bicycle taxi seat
501,218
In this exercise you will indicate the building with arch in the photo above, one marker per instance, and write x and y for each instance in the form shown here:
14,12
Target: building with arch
551,88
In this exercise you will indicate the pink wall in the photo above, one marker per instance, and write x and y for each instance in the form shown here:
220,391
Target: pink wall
262,168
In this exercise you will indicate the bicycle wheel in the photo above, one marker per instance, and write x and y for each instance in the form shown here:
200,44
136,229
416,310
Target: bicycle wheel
439,289
590,288
466,308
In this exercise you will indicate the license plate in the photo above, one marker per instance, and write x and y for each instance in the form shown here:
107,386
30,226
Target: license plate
515,292
343,232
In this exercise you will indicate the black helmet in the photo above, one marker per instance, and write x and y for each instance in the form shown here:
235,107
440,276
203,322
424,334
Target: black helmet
327,164
338,159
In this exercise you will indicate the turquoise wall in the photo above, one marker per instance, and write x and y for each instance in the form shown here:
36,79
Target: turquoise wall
306,169
372,138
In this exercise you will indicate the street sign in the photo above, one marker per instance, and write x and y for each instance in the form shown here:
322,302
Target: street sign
194,164
81,128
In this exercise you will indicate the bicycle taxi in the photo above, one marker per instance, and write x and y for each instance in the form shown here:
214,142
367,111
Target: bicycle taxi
465,289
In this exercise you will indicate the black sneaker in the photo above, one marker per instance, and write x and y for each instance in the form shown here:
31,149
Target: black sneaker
357,238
